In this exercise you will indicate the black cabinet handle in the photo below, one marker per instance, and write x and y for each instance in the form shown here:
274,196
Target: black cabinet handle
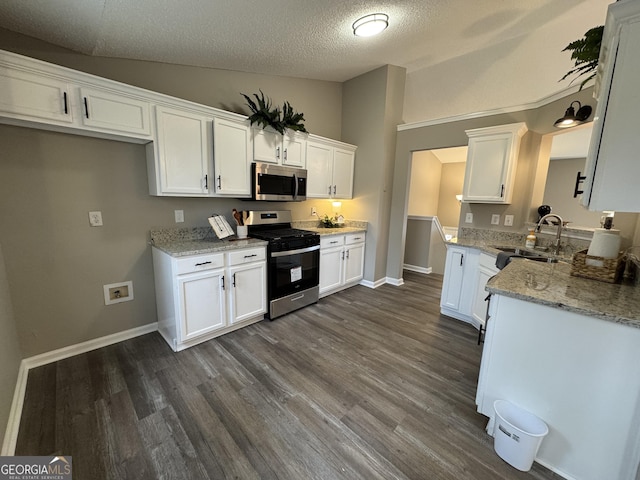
222,278
579,179
66,105
233,280
461,258
250,256
277,152
219,182
86,107
206,182
203,263
285,154
502,190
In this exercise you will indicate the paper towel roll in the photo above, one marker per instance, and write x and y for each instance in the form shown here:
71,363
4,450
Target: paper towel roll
605,243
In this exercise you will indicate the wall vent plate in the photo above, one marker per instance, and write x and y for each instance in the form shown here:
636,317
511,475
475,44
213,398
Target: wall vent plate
118,292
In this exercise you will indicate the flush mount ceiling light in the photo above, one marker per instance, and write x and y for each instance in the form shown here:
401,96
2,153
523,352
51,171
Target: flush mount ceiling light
572,118
370,25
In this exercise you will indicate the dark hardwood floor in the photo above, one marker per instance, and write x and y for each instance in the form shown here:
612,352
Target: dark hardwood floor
367,384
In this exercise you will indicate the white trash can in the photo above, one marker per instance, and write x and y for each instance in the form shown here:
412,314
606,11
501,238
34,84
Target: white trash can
517,435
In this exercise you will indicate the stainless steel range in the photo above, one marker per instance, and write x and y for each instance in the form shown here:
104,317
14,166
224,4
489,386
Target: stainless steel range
293,260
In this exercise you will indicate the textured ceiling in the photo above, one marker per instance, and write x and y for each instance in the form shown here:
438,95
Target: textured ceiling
300,38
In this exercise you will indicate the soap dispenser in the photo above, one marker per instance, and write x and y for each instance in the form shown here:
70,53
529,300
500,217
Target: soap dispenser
531,239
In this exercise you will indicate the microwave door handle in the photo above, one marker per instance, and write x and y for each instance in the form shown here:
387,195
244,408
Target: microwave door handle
295,190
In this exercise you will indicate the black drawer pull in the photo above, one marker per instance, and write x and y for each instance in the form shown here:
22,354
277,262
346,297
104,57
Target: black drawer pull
250,256
579,179
203,263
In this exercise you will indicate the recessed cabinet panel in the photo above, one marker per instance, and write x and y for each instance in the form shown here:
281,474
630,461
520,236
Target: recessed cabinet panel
294,150
491,163
184,148
109,111
248,291
331,265
232,157
37,97
613,168
202,303
265,146
343,163
319,169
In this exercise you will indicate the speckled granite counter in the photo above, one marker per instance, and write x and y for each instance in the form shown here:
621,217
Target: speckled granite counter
180,242
336,231
552,285
350,226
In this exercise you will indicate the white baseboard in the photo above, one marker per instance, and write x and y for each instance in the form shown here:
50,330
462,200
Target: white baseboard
11,434
376,284
416,268
396,282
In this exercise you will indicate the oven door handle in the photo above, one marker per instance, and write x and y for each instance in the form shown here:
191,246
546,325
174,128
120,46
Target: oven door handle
293,252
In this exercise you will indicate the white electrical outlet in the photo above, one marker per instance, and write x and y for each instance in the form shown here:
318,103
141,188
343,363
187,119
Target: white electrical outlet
495,219
118,292
468,218
314,211
179,214
95,219
508,220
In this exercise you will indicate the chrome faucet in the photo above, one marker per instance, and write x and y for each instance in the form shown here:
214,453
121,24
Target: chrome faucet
558,233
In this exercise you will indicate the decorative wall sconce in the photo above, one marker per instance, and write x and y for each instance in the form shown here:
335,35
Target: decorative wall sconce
572,118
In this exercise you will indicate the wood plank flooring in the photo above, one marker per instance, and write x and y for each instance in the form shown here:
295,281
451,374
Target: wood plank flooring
367,384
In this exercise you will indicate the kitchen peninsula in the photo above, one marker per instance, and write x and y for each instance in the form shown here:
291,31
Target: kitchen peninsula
567,350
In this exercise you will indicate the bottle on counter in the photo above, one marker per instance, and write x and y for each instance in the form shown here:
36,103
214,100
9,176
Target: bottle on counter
531,239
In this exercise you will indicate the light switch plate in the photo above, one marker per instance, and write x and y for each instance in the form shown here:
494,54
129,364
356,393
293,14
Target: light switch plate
95,219
179,214
508,220
495,219
468,218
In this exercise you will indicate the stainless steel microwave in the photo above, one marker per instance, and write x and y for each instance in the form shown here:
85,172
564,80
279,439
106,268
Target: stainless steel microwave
278,183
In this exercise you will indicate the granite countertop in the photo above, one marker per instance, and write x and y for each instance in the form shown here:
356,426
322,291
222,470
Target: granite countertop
180,242
182,248
551,284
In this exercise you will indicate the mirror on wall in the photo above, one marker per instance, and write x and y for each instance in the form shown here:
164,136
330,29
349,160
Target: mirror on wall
568,156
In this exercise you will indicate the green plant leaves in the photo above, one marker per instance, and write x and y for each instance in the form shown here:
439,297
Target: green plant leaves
265,116
585,53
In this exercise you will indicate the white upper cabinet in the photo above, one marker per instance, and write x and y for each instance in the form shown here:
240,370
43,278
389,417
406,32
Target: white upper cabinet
613,168
232,152
179,160
271,147
28,96
491,163
329,169
105,110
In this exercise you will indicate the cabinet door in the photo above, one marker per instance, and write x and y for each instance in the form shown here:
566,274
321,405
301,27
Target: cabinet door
343,163
453,278
487,168
34,97
184,150
294,150
613,168
266,145
331,264
202,303
232,153
319,170
108,111
479,308
354,263
248,297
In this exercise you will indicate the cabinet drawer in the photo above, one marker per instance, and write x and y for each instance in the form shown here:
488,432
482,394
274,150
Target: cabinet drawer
331,241
199,262
247,256
355,238
488,261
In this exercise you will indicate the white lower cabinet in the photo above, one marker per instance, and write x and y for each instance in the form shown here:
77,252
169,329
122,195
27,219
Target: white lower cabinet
466,274
341,261
200,297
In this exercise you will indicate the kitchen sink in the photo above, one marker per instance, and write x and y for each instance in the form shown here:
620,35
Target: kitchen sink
522,253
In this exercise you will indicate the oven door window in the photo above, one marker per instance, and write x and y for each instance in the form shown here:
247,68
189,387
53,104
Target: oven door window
275,185
294,272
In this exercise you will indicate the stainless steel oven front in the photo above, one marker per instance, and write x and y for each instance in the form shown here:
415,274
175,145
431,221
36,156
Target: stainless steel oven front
294,276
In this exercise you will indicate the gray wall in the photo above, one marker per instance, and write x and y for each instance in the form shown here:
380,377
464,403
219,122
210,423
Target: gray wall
10,355
372,108
57,264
